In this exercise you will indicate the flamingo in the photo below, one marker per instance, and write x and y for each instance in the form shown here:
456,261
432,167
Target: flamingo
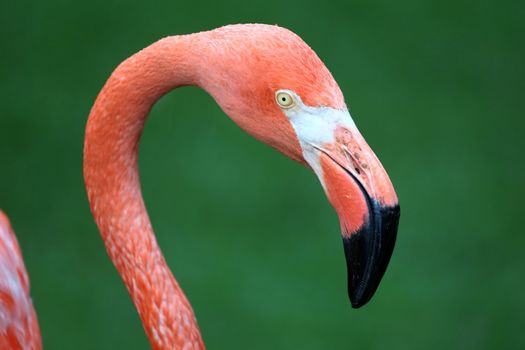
19,328
274,86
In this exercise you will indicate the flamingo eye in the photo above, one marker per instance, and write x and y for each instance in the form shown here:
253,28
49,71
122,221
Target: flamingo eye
284,99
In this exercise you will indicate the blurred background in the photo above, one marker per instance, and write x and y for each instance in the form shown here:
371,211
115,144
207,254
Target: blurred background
436,87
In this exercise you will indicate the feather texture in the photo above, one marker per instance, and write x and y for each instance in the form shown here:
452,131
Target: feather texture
18,323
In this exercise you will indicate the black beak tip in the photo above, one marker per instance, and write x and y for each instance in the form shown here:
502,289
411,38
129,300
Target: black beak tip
357,303
368,252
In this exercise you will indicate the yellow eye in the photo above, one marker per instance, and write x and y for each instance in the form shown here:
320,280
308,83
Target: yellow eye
284,99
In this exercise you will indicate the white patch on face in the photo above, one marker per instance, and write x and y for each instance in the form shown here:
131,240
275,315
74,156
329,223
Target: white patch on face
315,127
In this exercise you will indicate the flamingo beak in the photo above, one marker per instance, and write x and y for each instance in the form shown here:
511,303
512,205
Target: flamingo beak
360,190
356,185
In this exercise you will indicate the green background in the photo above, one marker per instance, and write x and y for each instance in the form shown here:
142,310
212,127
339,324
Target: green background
437,89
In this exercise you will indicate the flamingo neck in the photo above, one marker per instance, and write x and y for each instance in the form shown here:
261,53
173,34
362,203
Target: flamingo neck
112,181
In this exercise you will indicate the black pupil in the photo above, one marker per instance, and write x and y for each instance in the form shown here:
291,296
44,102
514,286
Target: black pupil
284,99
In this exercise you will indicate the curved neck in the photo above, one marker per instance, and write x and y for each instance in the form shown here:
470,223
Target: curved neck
112,182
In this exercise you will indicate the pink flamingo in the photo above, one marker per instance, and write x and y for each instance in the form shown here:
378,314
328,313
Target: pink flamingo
18,324
272,85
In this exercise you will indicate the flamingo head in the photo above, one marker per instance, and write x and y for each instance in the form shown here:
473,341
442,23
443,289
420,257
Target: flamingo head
276,88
